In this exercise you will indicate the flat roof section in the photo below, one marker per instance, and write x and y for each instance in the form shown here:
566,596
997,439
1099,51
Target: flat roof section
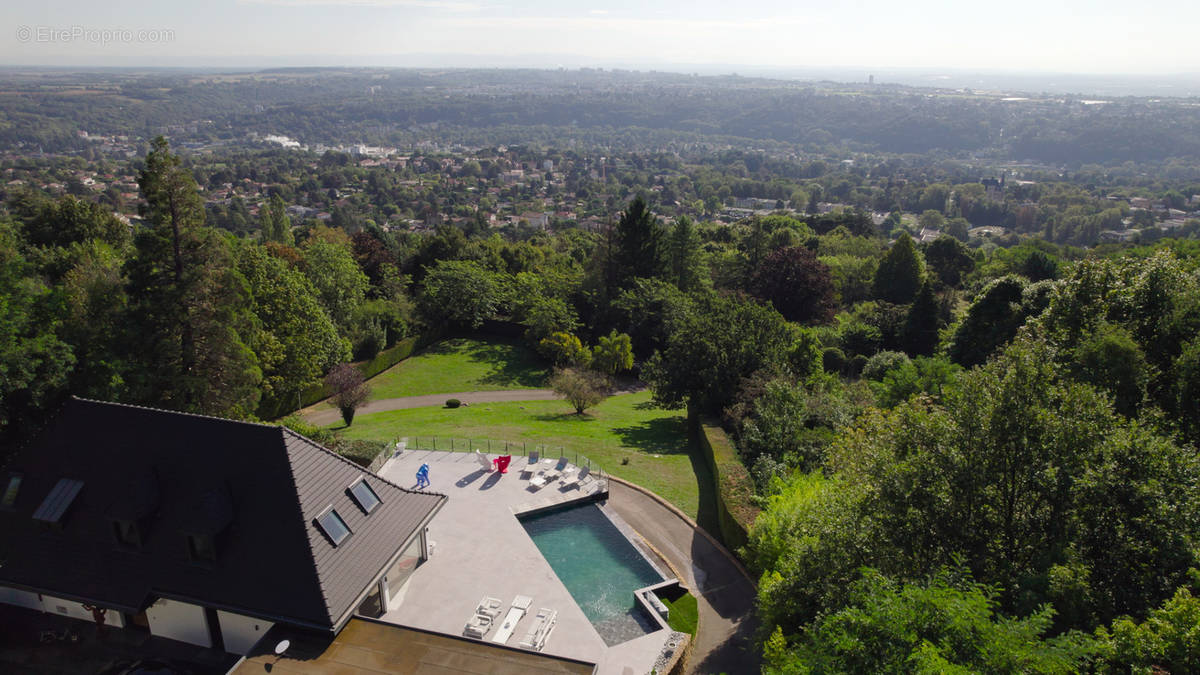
369,646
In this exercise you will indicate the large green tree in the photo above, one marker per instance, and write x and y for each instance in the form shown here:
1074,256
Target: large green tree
709,349
901,272
188,304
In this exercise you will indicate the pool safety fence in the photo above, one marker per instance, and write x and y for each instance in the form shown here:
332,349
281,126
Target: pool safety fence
494,447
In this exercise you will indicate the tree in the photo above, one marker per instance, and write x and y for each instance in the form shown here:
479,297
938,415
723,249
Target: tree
459,293
341,286
583,389
991,321
34,362
187,301
711,347
564,349
639,248
921,325
276,225
350,391
948,624
298,341
1164,643
949,260
1033,479
613,354
685,258
1112,361
930,219
901,272
797,284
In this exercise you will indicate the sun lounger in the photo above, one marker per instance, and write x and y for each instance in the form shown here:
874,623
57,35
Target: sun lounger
543,478
515,613
478,626
489,606
531,463
540,631
576,480
562,465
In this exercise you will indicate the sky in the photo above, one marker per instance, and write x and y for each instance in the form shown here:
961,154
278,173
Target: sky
1153,37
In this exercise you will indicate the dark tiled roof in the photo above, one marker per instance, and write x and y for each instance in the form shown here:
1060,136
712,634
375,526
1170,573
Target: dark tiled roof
259,486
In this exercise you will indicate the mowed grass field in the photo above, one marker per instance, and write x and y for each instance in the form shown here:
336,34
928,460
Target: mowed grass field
622,427
463,364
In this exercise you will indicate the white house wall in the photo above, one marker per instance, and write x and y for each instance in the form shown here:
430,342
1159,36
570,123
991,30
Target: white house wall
179,621
240,633
14,596
75,610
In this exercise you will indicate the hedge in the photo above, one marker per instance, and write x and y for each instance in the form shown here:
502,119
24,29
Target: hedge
734,487
273,408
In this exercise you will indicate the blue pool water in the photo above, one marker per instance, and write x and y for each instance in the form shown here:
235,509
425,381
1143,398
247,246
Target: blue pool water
598,565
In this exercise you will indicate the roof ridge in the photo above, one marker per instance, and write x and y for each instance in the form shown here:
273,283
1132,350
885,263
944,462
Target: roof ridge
175,412
357,465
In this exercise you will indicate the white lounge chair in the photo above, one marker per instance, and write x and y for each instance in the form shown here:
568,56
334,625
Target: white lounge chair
489,607
578,479
520,605
478,626
543,478
484,462
539,632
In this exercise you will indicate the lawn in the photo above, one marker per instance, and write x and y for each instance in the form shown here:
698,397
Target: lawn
463,364
683,614
624,427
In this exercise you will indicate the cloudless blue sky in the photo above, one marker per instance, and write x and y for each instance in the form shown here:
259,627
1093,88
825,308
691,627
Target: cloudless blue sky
1092,36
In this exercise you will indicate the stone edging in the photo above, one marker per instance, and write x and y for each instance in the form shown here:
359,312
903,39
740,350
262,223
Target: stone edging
691,523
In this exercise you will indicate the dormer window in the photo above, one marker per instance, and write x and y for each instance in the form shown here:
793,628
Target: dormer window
127,533
202,548
333,526
364,496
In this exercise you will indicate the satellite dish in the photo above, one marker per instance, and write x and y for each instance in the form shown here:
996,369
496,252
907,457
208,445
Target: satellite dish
282,647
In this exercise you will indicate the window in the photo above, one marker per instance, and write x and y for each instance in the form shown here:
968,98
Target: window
202,548
10,491
60,499
364,495
333,526
126,533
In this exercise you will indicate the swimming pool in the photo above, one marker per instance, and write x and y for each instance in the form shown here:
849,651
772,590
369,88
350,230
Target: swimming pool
598,565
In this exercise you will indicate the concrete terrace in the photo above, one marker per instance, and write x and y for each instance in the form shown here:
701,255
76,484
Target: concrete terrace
482,550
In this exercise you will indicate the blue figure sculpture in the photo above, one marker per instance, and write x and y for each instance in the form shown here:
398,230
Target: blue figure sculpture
423,476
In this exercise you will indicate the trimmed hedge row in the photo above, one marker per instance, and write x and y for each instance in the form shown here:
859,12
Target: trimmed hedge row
734,486
272,408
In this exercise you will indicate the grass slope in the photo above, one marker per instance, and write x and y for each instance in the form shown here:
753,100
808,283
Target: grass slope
463,364
624,426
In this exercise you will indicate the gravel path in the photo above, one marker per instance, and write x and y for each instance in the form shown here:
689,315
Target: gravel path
323,413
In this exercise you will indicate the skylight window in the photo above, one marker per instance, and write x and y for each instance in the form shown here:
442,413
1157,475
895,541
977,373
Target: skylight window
364,495
10,491
61,496
333,526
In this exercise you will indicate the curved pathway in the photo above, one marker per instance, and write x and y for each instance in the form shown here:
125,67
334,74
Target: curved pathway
323,413
725,596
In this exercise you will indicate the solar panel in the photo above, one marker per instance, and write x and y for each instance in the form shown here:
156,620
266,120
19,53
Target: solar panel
61,496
